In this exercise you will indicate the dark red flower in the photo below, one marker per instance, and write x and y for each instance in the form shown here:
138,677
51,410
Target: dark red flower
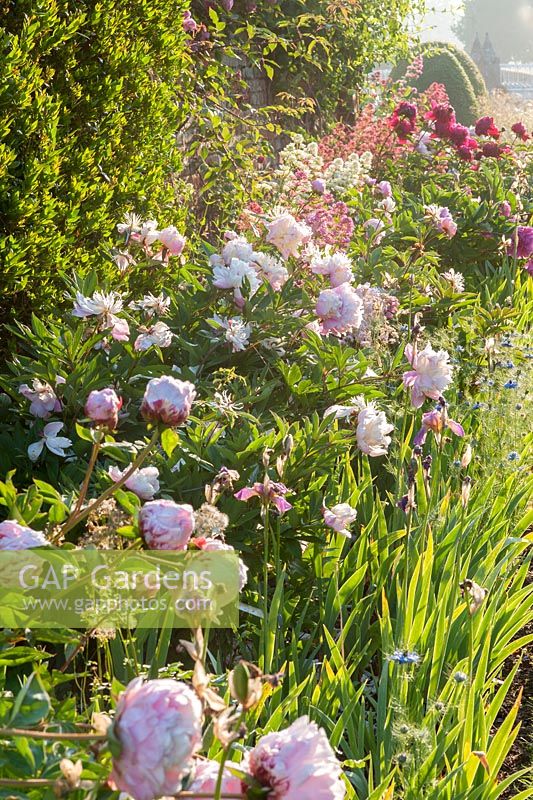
492,150
466,153
459,134
406,109
403,120
443,116
520,130
485,127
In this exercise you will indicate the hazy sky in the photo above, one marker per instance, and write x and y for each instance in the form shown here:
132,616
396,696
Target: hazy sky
437,24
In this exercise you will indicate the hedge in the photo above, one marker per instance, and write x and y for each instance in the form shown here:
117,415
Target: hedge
90,103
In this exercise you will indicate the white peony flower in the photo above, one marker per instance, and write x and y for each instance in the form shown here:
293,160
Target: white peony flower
235,276
99,305
287,234
340,517
132,223
272,270
237,247
144,482
455,280
158,335
353,408
372,431
56,444
336,266
237,332
152,305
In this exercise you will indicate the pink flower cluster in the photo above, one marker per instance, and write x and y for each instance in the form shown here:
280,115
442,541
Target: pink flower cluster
330,221
158,728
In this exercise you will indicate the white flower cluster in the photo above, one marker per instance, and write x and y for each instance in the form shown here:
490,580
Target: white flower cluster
301,157
240,268
342,175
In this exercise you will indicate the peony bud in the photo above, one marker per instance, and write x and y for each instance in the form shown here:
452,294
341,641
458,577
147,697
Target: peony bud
165,525
168,400
156,730
103,406
245,684
467,456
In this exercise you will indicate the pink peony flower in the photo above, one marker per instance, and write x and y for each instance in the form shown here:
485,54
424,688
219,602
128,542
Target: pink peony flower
144,482
403,120
168,400
44,400
14,536
522,244
505,209
157,728
287,234
340,309
297,763
436,421
102,407
172,240
165,525
430,376
441,218
372,431
205,779
120,330
493,150
189,24
385,188
270,493
339,518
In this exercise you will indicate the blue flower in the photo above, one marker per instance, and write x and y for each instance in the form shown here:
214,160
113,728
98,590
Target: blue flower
460,677
404,657
509,365
510,384
513,456
475,406
507,343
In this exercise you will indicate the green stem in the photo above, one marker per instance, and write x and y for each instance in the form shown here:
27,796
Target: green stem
7,733
266,527
86,480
